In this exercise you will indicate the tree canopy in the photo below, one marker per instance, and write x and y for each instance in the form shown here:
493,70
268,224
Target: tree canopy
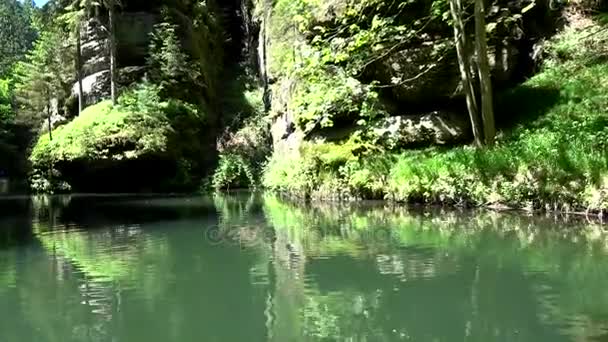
17,32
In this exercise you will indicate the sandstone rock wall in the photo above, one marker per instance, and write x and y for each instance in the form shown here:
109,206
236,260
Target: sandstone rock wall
424,89
133,37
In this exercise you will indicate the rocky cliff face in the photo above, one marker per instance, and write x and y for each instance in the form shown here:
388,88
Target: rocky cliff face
182,64
511,49
387,70
133,31
418,77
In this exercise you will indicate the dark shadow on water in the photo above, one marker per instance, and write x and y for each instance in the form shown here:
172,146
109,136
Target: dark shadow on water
91,211
523,105
15,221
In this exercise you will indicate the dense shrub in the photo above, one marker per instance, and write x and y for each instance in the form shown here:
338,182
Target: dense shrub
234,171
246,143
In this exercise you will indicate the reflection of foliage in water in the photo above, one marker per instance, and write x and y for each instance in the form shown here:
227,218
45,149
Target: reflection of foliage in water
235,206
95,254
7,270
324,272
570,260
319,321
240,223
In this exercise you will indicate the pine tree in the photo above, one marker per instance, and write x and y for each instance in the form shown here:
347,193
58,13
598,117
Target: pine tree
170,66
17,33
41,79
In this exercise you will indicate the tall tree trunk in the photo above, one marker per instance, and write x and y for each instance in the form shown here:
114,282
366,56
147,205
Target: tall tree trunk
264,64
485,81
464,62
111,33
48,114
79,70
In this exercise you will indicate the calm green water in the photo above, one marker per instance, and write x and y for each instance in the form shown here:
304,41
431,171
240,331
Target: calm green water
245,268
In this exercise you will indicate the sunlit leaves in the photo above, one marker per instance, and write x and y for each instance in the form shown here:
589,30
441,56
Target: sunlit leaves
325,97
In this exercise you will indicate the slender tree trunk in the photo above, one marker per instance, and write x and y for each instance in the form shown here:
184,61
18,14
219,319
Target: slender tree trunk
485,81
111,33
464,59
50,127
48,115
264,66
79,70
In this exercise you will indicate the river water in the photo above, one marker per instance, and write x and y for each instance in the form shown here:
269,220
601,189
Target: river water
247,267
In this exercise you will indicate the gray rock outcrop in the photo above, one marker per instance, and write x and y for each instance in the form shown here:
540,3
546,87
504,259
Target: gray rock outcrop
133,38
435,128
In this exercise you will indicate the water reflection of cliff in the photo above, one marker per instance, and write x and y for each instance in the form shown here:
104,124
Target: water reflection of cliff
242,267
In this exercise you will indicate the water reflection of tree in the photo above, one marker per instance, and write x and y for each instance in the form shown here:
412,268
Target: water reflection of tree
442,276
124,275
15,222
290,272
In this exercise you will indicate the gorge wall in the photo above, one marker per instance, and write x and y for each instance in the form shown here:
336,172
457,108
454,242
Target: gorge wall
161,136
385,73
414,78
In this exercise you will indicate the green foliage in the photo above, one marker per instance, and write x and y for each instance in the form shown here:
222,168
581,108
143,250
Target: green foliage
17,32
143,98
164,119
291,174
6,101
170,65
137,126
556,159
142,125
341,54
235,172
45,74
167,117
329,47
14,139
327,170
104,132
245,145
350,33
323,98
243,99
185,60
577,45
185,57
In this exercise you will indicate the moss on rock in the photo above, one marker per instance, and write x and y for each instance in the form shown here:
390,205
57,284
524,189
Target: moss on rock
143,134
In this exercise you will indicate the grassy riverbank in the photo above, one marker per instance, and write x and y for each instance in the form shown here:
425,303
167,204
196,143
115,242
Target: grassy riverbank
551,152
